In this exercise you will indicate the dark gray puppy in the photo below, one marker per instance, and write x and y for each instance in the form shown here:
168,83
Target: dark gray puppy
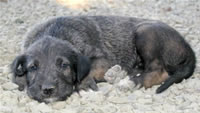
67,54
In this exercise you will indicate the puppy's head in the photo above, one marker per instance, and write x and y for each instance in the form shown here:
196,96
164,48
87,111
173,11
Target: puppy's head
49,69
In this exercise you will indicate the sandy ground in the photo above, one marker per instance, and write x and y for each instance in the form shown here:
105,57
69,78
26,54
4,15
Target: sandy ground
17,16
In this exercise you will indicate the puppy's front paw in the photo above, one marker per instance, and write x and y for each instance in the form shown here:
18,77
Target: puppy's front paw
88,83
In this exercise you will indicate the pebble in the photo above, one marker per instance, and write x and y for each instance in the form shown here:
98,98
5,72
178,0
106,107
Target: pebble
145,100
3,80
94,97
126,108
109,109
6,70
5,109
138,93
68,110
121,100
59,105
1,69
44,108
105,88
9,86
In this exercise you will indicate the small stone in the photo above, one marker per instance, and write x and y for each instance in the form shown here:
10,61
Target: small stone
179,101
184,105
94,97
3,80
59,105
190,98
119,100
170,108
145,100
5,109
6,70
69,110
24,100
180,86
1,69
138,93
110,109
9,86
85,110
19,21
158,108
105,88
43,108
10,75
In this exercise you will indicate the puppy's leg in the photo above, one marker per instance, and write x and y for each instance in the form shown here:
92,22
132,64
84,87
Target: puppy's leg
97,72
154,78
87,83
154,75
99,68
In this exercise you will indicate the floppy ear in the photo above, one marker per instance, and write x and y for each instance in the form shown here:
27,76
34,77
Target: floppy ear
19,70
83,66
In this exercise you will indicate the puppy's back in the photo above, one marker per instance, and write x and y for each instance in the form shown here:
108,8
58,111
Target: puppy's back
111,37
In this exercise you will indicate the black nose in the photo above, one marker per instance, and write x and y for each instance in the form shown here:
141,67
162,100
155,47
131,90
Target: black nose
48,90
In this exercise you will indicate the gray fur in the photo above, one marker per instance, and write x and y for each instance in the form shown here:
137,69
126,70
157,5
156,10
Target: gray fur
94,36
88,44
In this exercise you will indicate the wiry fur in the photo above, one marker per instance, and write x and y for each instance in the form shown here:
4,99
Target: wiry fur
99,42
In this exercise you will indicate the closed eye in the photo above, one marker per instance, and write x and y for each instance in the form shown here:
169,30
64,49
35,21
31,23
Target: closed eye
64,65
33,68
182,62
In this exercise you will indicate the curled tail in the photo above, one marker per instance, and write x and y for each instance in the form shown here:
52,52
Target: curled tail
185,70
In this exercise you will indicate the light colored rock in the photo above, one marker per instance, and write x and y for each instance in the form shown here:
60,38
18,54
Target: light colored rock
23,100
9,98
44,108
145,100
59,105
184,105
9,76
86,110
110,109
3,80
117,100
1,69
9,86
91,97
6,70
138,93
69,110
5,109
105,88
126,109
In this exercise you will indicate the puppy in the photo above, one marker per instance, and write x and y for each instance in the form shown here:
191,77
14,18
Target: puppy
67,54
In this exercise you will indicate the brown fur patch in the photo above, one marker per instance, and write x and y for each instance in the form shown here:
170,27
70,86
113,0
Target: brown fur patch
154,78
99,68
